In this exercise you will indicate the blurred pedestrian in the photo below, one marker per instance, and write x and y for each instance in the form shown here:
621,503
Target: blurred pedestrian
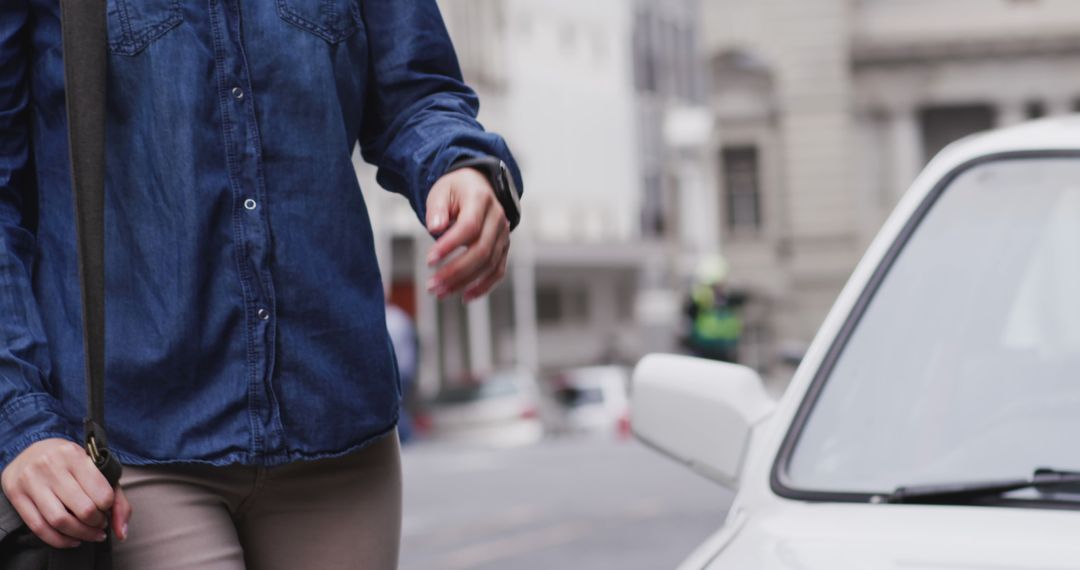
713,321
406,349
250,379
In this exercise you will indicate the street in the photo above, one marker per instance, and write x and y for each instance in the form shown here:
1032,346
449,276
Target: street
565,504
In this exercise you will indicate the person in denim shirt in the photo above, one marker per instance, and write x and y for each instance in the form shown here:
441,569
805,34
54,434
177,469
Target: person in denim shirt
251,387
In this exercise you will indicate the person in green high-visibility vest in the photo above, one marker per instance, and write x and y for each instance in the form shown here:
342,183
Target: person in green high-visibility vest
714,323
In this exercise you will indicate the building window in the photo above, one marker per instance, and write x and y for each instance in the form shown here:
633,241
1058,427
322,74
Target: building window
1034,109
645,72
549,308
945,124
568,38
477,28
652,207
742,188
666,57
563,303
626,290
687,63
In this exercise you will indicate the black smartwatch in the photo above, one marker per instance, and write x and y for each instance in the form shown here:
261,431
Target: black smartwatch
501,180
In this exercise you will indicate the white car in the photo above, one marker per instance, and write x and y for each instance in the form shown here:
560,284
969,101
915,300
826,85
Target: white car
499,410
935,420
593,401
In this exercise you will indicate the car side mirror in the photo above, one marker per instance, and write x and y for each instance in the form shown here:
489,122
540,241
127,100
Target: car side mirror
699,412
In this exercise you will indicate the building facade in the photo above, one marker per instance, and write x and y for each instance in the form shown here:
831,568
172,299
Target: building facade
825,111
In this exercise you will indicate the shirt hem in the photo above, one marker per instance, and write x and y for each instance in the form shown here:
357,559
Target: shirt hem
246,458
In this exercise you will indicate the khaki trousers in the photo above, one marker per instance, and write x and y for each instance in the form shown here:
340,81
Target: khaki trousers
329,514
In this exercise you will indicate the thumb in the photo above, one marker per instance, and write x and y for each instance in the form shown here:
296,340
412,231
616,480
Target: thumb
438,207
121,514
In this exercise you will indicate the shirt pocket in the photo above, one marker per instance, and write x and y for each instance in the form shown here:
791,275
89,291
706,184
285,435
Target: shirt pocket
135,24
331,20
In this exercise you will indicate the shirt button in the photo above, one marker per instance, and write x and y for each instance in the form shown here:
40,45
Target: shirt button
237,93
263,314
250,204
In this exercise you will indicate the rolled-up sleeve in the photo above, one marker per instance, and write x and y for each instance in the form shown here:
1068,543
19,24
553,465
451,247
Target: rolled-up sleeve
419,115
27,412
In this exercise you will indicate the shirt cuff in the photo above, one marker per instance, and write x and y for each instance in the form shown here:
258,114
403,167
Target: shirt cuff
28,420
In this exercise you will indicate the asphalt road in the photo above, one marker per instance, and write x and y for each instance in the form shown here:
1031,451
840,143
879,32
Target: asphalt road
564,504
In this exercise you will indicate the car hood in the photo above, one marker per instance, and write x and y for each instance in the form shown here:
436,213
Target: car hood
909,537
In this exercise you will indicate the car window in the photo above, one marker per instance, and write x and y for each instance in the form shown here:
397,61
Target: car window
966,362
576,397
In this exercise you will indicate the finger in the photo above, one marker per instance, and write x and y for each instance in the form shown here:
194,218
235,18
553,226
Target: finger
476,259
491,275
37,525
93,483
75,499
490,265
438,207
121,514
58,517
466,230
485,284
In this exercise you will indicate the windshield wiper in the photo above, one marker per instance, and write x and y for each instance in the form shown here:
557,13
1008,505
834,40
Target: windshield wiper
959,493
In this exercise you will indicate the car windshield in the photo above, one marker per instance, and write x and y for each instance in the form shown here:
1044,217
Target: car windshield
965,364
576,397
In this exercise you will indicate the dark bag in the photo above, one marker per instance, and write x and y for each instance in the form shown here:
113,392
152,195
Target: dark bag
84,37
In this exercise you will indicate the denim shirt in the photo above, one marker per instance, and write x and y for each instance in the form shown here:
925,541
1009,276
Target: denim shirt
245,311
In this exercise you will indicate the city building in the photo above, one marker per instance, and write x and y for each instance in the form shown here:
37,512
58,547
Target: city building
825,111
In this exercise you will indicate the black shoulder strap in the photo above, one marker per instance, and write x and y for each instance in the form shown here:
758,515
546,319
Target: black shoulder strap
84,37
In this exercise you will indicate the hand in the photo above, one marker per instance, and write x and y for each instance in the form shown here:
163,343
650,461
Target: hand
463,212
61,495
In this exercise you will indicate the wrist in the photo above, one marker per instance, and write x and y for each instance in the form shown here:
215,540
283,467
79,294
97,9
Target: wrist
501,181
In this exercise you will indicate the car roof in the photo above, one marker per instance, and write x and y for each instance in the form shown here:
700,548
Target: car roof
1058,133
1055,134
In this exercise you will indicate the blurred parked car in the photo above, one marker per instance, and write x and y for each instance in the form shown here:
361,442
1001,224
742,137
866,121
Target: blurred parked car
593,401
933,421
498,410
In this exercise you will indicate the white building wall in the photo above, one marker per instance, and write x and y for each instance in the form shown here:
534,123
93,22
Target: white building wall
570,94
